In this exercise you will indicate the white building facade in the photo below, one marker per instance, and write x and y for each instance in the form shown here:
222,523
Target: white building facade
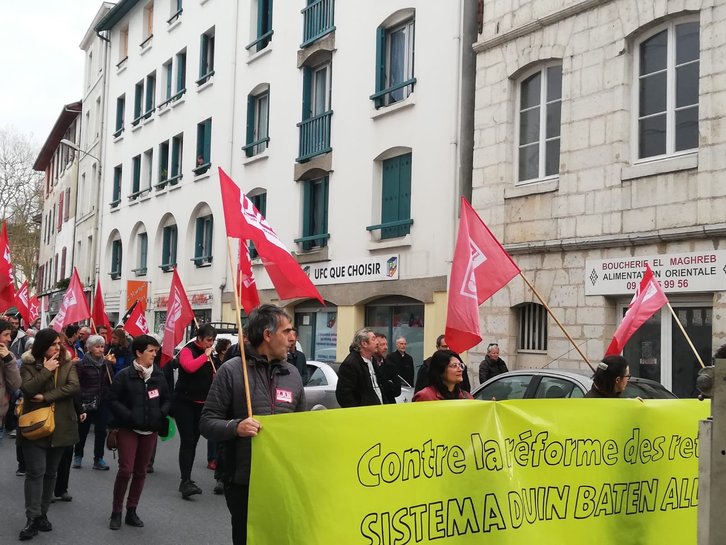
599,146
350,129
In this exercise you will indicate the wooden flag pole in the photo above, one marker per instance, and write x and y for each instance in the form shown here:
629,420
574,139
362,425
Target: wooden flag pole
240,335
562,327
688,339
93,326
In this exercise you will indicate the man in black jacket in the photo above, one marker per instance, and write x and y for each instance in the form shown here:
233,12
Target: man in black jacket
402,360
275,387
360,381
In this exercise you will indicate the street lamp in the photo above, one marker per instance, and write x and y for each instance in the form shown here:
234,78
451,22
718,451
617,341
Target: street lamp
76,147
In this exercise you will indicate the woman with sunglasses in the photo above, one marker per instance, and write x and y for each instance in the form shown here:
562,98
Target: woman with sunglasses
446,373
611,377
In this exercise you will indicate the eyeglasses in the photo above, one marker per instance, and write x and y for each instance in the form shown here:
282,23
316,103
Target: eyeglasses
456,365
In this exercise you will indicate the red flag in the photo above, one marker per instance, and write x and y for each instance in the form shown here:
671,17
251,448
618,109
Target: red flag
99,316
244,221
135,324
7,282
480,268
33,309
247,288
648,299
178,315
22,302
74,307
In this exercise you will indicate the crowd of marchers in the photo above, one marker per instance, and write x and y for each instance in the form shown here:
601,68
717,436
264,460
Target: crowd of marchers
116,384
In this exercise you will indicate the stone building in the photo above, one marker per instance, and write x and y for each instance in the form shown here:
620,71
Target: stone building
600,144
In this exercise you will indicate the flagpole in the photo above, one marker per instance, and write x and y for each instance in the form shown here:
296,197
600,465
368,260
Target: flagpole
562,327
93,326
688,339
240,335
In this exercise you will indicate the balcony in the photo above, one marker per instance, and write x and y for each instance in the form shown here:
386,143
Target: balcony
315,136
318,21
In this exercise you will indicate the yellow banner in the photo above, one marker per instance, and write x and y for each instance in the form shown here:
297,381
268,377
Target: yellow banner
544,472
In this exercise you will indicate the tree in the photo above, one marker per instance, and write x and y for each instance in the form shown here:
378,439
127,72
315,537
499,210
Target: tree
21,200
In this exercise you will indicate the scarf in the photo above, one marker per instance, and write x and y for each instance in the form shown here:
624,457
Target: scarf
144,371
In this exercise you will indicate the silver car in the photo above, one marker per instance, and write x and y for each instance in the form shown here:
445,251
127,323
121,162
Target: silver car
320,387
559,383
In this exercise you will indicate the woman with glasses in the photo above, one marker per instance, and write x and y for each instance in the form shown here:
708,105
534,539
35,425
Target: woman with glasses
492,365
446,373
611,377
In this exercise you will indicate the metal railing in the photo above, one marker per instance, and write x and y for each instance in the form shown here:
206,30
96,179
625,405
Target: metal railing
315,136
256,147
261,42
318,20
392,229
384,96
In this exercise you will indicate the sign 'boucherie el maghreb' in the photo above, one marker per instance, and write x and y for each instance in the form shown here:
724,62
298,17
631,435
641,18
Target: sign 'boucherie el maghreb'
677,273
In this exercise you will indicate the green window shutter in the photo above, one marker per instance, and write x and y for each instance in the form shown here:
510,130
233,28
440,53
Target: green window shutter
199,239
172,244
251,100
200,142
404,193
181,71
138,99
208,141
175,145
269,18
117,183
380,63
137,174
150,90
203,55
390,195
144,250
208,235
307,92
307,213
169,79
120,107
165,260
325,210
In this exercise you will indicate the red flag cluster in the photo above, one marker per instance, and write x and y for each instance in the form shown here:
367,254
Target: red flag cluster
7,282
74,306
135,324
244,221
648,299
178,315
99,316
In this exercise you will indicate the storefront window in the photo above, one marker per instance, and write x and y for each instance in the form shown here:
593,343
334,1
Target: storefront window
399,317
317,328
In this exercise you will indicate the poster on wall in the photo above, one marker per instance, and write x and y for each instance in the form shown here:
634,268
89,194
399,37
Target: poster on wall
326,335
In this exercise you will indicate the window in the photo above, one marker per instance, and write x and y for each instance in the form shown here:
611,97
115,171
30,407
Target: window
177,146
206,57
540,98
123,47
64,253
181,73
59,217
396,197
117,173
505,387
142,241
116,256
168,248
138,102
147,170
258,110
204,144
150,94
168,80
148,32
203,241
120,110
532,335
315,125
176,7
394,63
260,202
67,211
163,164
555,388
667,73
315,214
136,181
262,21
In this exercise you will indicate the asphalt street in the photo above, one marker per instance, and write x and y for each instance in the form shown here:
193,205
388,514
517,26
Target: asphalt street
168,518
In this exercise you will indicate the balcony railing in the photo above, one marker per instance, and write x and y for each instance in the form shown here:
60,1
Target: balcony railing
318,20
315,136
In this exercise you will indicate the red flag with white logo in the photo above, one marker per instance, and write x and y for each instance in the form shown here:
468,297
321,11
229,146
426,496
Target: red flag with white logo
7,282
74,306
99,316
648,299
245,222
247,286
135,324
480,268
22,302
178,315
33,309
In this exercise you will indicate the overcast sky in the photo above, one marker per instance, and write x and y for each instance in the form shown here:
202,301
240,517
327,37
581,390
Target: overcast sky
41,62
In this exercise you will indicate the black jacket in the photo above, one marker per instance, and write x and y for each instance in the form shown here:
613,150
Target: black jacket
403,363
275,388
94,379
355,388
298,360
139,405
193,386
489,369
